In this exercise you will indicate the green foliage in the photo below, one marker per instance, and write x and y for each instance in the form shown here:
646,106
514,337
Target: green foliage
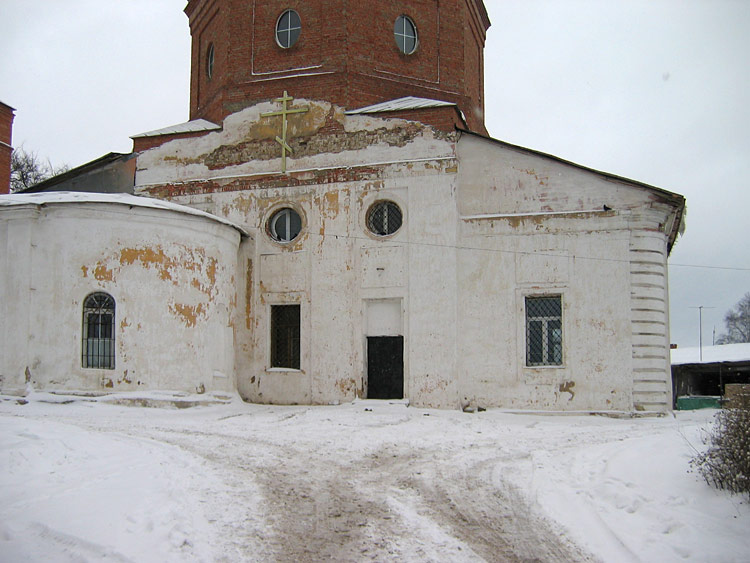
726,463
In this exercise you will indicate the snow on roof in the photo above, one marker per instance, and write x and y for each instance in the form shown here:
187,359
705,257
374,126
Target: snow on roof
400,104
711,354
47,198
195,126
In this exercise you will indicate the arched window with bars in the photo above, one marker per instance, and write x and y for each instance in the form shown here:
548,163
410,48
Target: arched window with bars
98,331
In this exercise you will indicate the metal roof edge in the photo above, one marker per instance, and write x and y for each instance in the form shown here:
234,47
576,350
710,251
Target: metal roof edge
406,103
194,126
59,198
73,172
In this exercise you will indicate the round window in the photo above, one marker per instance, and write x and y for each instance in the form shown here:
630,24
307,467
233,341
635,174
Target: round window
210,61
288,28
384,218
285,225
405,33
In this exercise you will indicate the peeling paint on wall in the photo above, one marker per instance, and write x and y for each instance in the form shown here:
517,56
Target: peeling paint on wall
567,387
169,265
102,273
190,314
541,179
249,295
347,387
265,147
330,204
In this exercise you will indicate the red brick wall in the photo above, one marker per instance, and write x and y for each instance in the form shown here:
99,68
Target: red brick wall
6,140
346,54
141,144
445,118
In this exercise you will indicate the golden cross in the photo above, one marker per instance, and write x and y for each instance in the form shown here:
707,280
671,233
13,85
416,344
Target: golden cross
284,123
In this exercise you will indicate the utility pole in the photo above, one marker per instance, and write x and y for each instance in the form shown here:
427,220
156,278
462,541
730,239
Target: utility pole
700,328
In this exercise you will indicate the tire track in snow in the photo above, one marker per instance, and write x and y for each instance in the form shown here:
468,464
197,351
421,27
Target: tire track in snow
320,509
312,500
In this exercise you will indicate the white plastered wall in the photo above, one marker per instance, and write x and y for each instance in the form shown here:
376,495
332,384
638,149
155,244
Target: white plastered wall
336,266
172,276
485,226
534,226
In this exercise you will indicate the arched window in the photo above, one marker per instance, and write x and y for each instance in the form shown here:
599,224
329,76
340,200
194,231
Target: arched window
99,331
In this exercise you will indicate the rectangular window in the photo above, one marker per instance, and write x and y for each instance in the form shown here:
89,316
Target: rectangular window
285,338
544,331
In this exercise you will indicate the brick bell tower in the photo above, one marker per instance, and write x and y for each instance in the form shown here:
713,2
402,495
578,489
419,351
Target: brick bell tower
348,52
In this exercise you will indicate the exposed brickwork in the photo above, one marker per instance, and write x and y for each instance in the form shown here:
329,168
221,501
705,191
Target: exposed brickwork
330,141
443,118
366,173
141,144
6,143
351,60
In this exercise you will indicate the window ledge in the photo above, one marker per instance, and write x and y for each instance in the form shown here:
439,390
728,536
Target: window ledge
283,370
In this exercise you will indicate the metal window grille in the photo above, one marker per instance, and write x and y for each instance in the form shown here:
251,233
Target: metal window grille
288,29
544,331
99,332
285,225
384,218
405,33
285,336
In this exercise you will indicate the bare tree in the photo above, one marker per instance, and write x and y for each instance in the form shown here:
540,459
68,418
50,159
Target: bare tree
737,321
28,169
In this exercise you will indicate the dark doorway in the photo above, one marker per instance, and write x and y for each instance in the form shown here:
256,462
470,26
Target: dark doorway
385,367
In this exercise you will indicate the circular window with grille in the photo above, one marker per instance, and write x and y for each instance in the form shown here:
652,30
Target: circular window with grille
285,225
384,218
288,28
405,33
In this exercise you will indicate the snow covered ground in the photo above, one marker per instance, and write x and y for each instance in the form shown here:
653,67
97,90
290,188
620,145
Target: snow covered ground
87,480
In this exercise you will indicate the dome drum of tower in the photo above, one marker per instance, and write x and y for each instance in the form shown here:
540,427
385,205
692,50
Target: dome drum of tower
349,53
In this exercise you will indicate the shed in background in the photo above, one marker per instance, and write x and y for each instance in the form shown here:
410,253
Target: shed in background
699,380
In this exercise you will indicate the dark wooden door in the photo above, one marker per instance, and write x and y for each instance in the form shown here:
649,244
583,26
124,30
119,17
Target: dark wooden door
385,367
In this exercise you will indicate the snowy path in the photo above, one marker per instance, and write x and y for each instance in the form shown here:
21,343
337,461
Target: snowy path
360,482
304,497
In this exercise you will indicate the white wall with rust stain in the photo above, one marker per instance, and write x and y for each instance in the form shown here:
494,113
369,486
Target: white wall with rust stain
172,276
532,225
336,266
333,270
484,226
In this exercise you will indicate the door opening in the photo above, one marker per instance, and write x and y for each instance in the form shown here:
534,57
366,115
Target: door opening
385,367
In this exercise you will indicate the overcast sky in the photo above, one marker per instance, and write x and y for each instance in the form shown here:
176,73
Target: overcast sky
653,90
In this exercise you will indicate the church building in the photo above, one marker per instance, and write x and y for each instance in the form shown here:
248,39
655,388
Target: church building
334,222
